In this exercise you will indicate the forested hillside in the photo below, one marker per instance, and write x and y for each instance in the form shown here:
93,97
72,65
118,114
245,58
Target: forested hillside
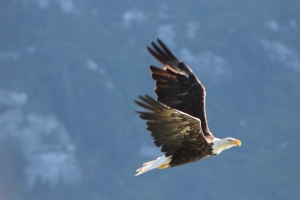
71,69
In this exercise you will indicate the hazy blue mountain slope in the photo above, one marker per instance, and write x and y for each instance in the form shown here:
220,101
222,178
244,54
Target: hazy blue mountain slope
70,71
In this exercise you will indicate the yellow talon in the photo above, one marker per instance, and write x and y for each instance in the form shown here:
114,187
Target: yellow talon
163,166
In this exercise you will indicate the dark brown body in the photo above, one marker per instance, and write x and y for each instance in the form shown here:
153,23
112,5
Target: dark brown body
185,155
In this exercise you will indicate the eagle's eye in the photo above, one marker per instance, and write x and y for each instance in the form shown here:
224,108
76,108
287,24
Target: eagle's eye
230,140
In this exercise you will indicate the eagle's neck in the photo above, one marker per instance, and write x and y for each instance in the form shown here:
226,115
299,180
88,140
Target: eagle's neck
219,145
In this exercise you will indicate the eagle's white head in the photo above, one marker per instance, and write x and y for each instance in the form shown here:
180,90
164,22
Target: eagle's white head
221,144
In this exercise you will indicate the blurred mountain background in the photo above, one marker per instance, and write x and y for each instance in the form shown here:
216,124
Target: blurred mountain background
70,70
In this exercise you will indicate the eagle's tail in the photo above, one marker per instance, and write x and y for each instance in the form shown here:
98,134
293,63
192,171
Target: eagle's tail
161,162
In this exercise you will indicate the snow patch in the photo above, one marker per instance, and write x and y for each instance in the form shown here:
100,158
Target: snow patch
49,150
167,34
209,65
279,52
289,27
133,16
47,145
272,25
93,66
66,6
12,98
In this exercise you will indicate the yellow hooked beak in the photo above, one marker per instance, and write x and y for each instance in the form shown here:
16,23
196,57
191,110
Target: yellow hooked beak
237,142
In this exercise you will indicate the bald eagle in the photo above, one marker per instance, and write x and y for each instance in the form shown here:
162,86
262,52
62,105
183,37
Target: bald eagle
177,119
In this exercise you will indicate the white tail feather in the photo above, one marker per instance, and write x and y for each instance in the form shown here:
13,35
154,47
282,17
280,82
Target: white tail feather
147,166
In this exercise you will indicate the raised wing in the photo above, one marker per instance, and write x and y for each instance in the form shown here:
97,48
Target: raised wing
170,128
177,86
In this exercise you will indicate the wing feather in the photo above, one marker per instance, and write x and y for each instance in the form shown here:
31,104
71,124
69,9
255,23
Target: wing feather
177,86
170,128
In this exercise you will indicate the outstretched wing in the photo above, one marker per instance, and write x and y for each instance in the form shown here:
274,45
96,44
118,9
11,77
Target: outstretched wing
177,86
170,128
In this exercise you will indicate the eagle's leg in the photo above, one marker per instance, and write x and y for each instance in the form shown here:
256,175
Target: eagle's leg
164,166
